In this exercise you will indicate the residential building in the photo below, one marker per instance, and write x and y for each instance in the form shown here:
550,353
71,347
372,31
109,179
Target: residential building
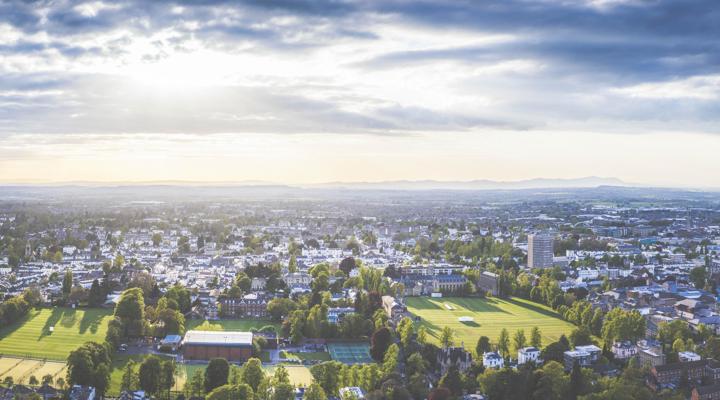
529,355
456,356
493,360
540,251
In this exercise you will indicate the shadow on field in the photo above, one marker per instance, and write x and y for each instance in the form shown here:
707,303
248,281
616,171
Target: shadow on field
90,320
424,304
472,324
53,319
479,305
537,309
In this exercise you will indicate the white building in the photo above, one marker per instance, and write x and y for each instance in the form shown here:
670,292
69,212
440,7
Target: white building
624,350
493,360
687,356
528,354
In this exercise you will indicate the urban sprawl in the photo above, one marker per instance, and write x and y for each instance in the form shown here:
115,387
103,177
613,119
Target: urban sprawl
405,297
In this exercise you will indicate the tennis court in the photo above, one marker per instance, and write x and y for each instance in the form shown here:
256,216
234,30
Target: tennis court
350,353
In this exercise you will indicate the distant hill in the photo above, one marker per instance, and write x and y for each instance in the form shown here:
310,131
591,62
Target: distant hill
480,184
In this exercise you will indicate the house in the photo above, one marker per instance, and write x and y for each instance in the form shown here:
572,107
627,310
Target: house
488,282
335,315
297,278
171,342
79,392
352,392
707,392
136,395
493,360
251,307
687,356
528,355
669,375
258,283
624,350
392,307
456,356
585,356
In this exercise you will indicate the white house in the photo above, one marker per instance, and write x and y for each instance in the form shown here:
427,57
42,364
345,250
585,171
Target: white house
528,354
624,350
687,356
493,360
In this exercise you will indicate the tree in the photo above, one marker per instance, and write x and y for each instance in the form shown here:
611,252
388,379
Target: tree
535,337
216,374
576,381
283,391
446,336
156,239
347,264
379,343
519,340
580,336
452,381
47,379
130,309
231,392
326,375
89,365
422,335
33,381
195,386
390,362
167,375
483,346
280,307
405,331
504,342
315,392
253,373
97,295
698,276
150,375
67,283
130,378
415,364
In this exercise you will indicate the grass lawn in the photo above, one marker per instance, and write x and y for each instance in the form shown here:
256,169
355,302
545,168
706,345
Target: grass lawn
229,324
31,336
490,317
310,356
299,374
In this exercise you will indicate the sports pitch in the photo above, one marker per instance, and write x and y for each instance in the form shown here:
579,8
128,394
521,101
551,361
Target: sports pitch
32,336
229,324
350,353
20,370
489,316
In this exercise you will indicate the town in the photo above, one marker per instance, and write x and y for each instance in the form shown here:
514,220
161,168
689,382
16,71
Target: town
377,298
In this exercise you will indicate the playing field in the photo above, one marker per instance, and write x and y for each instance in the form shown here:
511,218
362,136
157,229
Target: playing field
229,324
31,336
22,369
350,353
490,317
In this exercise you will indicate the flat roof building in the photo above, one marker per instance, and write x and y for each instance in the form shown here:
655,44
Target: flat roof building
205,345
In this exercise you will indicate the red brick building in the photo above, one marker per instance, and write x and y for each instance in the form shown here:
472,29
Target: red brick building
205,345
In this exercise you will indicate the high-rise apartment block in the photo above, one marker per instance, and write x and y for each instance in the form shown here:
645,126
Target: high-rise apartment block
540,251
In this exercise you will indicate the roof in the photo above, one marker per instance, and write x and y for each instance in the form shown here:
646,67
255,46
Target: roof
212,338
708,389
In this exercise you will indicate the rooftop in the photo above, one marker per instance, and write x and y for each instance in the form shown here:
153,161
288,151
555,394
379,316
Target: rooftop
218,338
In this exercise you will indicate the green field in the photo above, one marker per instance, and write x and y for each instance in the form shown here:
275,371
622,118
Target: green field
490,317
229,324
31,336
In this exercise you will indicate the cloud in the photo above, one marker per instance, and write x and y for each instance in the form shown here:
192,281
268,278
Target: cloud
338,66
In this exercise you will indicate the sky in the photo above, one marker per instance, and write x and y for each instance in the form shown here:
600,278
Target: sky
310,91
